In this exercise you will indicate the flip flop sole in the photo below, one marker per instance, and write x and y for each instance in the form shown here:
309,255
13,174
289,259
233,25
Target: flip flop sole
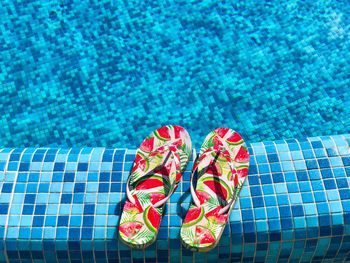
140,221
213,187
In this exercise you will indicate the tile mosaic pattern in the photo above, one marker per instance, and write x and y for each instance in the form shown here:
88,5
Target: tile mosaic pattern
63,205
106,73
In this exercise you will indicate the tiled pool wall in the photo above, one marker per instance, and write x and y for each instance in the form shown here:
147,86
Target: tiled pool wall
63,205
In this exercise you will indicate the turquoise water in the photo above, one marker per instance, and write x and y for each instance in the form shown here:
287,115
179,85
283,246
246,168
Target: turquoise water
106,73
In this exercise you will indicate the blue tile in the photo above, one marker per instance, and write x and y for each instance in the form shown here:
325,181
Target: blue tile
38,221
331,152
326,173
51,221
268,189
270,148
4,209
323,163
105,177
324,220
275,167
83,166
320,153
302,176
103,187
270,201
15,157
43,188
74,233
32,188
78,198
79,187
258,202
263,168
316,144
12,166
272,212
308,154
248,227
347,171
285,211
300,165
66,198
280,188
344,194
75,221
261,159
117,166
253,180
286,223
317,185
304,186
29,198
69,177
293,146
322,208
89,209
282,199
28,209
59,167
20,188
265,179
2,166
273,158
33,177
335,162
255,191
320,196
329,184
292,187
62,220
346,205
7,188
278,177
247,214
342,183
108,156
297,155
290,177
252,169
40,209
275,236
24,167
297,210
307,197
311,164
22,177
346,161
310,209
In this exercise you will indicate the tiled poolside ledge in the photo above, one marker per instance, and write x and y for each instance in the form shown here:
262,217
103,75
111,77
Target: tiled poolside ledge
63,205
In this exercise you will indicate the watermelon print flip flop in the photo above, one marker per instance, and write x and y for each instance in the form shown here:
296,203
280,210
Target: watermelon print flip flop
220,170
157,170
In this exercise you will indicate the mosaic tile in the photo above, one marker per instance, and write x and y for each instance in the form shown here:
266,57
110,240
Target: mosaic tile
69,213
106,73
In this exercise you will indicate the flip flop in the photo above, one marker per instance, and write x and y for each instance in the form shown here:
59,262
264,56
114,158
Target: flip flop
157,170
220,169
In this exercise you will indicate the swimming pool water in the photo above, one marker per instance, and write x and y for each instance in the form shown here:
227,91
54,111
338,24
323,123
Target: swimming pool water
108,72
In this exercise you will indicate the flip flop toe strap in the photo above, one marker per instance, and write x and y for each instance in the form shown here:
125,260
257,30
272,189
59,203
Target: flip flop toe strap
219,150
173,169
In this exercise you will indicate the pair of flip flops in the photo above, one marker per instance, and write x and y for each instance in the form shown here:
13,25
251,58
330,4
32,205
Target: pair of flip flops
217,177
